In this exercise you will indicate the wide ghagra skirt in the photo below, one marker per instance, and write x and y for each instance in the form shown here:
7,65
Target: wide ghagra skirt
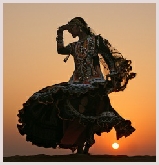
66,115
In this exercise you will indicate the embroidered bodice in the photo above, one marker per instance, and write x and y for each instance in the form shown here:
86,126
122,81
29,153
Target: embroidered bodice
86,60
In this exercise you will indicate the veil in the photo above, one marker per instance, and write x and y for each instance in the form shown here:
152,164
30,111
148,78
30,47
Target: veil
123,70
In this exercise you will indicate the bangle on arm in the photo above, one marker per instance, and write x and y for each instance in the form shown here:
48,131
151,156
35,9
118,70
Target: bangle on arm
59,40
59,37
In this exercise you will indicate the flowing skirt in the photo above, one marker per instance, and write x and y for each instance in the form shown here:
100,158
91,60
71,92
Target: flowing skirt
66,115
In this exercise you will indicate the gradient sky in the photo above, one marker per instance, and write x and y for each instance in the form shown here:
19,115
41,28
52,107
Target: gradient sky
30,62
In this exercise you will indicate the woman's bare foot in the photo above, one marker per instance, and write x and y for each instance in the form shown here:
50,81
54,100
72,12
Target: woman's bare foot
80,149
86,148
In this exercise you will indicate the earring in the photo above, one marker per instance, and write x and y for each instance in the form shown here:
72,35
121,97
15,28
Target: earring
80,30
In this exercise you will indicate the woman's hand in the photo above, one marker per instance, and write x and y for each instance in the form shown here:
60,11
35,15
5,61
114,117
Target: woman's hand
64,27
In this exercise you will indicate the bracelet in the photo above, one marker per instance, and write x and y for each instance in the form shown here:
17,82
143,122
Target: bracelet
58,39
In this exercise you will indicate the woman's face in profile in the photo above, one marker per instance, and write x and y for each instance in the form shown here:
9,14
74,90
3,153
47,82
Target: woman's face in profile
74,30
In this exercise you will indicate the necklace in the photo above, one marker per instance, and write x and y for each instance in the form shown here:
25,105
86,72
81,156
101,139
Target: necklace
83,38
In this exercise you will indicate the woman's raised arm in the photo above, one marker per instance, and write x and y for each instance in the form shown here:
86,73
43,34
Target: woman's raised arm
61,49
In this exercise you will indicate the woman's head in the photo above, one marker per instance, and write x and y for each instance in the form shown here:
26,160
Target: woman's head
77,25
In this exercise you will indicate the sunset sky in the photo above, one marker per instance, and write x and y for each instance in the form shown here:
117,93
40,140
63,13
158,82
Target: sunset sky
31,62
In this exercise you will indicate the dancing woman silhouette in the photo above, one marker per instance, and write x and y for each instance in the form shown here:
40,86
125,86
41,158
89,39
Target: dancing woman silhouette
68,114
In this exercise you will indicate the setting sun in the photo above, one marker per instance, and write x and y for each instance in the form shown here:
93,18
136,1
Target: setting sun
115,145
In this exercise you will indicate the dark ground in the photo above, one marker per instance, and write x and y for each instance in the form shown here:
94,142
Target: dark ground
79,158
